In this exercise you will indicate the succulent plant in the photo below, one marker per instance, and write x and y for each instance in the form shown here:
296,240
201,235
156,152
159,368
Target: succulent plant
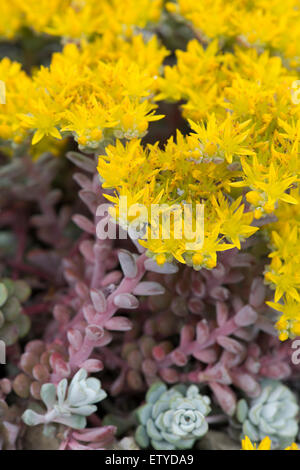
9,430
96,438
127,443
271,414
69,408
13,323
172,419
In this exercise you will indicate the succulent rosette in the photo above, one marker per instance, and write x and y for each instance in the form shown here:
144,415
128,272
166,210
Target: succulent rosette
172,419
70,408
273,413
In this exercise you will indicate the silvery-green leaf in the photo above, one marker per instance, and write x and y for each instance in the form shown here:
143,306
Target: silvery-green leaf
61,391
171,438
141,437
250,431
175,400
101,395
266,427
162,445
144,413
155,391
241,410
85,410
77,395
203,407
255,413
159,407
31,418
152,431
269,411
193,392
74,390
185,444
185,404
177,430
80,375
174,396
287,410
290,428
167,418
73,421
188,427
278,424
93,383
48,395
159,422
263,396
200,431
277,389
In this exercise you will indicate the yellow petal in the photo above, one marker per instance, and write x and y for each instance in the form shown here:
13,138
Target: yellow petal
55,133
265,444
38,135
247,444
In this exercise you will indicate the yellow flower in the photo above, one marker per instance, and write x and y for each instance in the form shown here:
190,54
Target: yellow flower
18,89
265,444
235,223
288,324
293,446
259,23
271,183
90,94
77,19
43,122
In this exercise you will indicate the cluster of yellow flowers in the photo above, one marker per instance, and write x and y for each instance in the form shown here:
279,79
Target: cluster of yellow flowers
245,135
90,91
254,92
77,19
283,271
271,24
183,174
236,83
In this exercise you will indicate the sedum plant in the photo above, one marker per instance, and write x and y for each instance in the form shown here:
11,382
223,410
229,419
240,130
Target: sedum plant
13,323
77,19
172,419
273,413
168,309
252,24
68,405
